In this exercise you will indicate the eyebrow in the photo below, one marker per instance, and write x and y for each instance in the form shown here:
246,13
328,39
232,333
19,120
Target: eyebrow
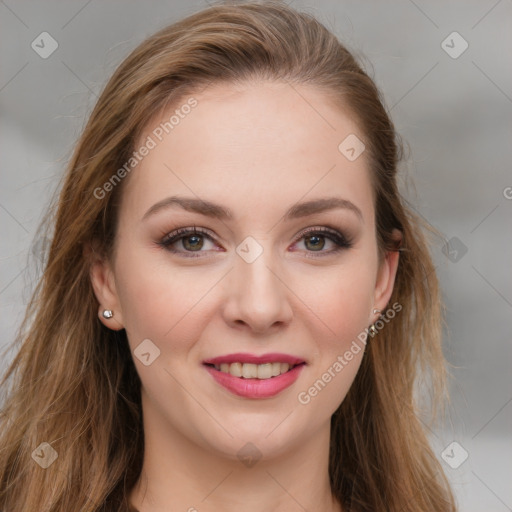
217,211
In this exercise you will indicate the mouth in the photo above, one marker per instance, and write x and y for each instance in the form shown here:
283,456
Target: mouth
254,371
252,376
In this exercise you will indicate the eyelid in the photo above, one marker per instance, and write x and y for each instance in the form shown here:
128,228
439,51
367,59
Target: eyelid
186,231
323,229
337,236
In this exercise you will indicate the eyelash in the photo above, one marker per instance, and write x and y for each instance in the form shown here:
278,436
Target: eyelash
342,242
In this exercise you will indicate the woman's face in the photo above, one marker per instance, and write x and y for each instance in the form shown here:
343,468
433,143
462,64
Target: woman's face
277,279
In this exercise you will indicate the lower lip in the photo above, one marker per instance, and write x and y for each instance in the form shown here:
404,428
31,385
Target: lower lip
256,388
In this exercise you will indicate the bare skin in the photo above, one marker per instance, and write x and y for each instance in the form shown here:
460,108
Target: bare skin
256,149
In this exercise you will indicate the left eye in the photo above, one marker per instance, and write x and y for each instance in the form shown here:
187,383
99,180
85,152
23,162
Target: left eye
315,238
192,240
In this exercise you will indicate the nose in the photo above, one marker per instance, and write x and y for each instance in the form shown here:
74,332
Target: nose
257,295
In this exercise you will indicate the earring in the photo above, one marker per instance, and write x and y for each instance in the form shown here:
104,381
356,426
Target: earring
372,330
108,313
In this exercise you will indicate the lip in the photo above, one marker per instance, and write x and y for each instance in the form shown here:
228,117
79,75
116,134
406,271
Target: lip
254,359
255,388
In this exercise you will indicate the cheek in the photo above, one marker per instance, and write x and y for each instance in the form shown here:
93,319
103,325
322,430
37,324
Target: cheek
159,301
340,299
343,309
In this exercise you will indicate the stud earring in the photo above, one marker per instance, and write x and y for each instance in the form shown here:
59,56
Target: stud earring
108,313
372,330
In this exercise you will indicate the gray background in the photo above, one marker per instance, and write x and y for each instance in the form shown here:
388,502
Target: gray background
455,114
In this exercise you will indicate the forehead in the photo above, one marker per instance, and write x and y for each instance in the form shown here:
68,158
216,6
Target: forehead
251,147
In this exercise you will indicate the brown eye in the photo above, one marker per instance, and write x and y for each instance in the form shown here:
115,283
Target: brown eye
192,240
315,240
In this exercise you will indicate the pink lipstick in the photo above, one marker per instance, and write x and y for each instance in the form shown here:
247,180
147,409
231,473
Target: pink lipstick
252,376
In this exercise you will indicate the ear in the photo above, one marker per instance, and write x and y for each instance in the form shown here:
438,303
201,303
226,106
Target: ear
103,283
386,275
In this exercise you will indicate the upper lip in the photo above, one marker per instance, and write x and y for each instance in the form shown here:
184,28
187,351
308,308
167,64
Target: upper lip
255,359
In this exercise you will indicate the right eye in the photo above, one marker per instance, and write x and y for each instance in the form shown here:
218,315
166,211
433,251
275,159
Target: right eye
191,239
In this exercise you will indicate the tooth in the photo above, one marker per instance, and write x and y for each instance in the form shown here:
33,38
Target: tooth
254,371
276,369
265,371
235,369
249,371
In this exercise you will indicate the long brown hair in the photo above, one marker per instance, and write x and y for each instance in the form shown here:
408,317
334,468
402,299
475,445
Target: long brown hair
73,383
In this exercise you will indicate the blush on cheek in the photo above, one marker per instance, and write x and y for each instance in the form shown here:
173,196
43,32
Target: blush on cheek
162,309
343,314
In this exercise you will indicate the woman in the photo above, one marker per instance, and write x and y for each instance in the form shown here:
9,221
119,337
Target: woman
236,299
